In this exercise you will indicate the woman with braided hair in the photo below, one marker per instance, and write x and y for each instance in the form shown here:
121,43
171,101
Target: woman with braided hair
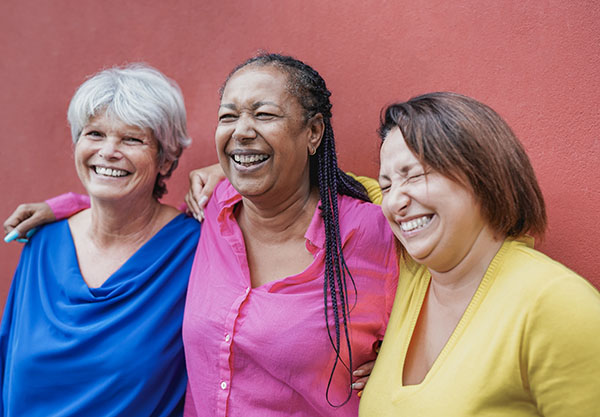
295,271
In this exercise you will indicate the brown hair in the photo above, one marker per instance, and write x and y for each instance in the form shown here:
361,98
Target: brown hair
464,139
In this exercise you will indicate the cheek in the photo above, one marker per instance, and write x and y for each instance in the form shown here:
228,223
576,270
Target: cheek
221,134
387,212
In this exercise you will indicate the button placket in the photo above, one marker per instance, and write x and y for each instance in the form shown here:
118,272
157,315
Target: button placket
226,349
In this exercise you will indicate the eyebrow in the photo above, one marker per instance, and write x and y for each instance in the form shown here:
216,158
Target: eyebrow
383,177
255,106
129,131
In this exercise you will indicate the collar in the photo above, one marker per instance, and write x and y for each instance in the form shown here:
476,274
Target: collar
227,199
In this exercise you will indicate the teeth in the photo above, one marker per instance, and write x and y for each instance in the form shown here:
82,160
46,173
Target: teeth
415,224
110,172
249,159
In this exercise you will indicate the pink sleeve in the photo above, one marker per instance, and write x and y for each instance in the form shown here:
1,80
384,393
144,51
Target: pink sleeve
66,205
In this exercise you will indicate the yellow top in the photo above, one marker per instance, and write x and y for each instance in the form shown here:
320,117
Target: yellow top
372,187
527,345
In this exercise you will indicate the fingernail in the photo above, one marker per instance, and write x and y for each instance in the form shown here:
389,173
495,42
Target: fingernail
359,393
31,232
14,233
358,385
358,372
202,201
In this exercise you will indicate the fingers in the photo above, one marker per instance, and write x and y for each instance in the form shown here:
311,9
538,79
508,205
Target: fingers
25,219
196,186
360,383
14,235
362,372
365,369
202,184
21,213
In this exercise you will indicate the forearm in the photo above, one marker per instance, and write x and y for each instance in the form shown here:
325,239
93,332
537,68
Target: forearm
65,205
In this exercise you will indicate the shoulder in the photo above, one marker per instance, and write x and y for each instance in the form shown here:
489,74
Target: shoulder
50,232
182,227
364,219
537,273
551,293
224,191
223,195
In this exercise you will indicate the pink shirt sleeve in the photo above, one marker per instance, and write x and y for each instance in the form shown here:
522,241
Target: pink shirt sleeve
66,205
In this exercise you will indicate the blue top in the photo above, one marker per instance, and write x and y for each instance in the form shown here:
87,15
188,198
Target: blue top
70,350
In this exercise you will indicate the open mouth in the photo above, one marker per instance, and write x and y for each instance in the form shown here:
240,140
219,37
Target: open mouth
416,224
110,172
249,160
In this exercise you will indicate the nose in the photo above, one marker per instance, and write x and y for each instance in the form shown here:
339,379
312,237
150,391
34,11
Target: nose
109,149
396,201
244,128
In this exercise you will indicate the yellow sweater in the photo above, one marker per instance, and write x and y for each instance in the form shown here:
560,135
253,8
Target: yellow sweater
527,345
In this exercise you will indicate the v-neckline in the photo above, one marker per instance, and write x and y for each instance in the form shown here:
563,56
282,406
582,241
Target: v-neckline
106,283
473,304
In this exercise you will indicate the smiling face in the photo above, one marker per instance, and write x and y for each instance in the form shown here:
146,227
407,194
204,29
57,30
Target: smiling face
115,160
262,137
435,218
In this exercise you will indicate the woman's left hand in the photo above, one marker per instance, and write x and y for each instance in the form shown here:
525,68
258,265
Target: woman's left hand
362,372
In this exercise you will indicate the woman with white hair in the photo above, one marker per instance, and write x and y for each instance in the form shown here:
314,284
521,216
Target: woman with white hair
92,324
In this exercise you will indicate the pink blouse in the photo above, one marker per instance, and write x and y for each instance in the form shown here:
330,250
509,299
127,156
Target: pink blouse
265,351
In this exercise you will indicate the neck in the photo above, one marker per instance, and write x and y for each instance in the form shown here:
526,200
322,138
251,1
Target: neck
462,280
122,222
286,217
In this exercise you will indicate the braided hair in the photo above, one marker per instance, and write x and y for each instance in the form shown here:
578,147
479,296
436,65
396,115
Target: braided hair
309,87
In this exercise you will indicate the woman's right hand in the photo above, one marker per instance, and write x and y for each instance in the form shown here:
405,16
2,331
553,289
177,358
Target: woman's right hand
202,184
25,218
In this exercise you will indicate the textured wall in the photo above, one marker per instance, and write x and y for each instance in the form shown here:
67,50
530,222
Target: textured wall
536,62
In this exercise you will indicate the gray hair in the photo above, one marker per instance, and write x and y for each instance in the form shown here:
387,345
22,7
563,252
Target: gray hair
137,95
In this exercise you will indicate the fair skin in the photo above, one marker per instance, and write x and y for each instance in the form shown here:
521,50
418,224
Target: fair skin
118,165
439,222
263,144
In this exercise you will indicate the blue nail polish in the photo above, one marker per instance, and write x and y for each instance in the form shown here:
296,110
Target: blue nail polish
27,235
11,236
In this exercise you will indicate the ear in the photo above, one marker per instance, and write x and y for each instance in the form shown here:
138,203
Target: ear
316,128
165,167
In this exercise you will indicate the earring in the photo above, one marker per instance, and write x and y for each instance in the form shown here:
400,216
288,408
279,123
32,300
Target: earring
312,150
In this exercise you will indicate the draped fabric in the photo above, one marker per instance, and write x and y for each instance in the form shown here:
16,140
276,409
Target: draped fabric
116,350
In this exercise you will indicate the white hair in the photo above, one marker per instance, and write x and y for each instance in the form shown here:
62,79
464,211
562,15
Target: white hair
137,95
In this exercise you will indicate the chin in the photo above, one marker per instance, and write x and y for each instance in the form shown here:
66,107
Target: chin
418,253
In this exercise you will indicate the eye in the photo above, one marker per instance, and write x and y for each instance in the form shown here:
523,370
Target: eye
227,117
265,115
93,134
132,141
385,186
415,177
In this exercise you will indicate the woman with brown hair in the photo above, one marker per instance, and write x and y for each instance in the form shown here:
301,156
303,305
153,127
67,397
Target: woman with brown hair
482,324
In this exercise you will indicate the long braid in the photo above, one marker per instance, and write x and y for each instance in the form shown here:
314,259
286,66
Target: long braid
309,87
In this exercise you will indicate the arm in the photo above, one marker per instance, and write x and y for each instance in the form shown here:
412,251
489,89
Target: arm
28,216
561,347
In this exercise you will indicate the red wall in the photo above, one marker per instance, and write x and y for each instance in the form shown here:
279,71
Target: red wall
536,62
